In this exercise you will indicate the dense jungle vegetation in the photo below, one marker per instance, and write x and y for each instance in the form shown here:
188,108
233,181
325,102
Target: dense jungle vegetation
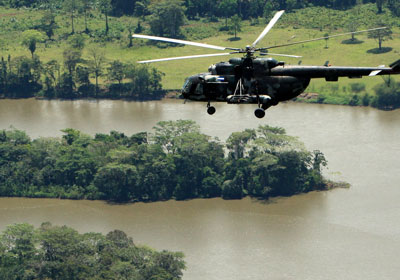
83,48
54,252
175,161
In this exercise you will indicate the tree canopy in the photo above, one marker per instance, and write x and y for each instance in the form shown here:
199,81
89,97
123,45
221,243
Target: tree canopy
60,252
175,161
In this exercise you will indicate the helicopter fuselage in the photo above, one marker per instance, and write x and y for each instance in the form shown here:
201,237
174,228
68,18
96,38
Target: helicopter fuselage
265,80
244,80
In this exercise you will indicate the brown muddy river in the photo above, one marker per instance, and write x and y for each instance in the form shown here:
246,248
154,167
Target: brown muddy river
341,234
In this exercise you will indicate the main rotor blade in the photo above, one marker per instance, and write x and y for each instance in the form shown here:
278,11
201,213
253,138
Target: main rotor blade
322,38
269,26
181,42
279,54
183,57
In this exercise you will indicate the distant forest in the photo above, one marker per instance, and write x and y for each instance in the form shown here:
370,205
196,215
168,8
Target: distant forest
176,161
60,252
28,77
220,8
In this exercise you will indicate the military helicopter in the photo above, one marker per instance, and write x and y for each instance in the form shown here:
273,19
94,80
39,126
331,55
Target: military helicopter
261,81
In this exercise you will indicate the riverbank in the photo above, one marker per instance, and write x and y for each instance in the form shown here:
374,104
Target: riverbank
386,101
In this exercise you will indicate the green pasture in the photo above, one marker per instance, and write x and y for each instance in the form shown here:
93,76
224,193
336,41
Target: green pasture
13,22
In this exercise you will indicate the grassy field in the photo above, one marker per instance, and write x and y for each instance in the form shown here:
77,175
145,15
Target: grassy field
13,22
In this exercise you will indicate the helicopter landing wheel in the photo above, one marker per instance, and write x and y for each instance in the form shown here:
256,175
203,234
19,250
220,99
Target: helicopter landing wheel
211,110
259,113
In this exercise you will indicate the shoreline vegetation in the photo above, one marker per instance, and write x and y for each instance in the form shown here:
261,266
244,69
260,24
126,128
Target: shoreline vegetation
60,252
175,161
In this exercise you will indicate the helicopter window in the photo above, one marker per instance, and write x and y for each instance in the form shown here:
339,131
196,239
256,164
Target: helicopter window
199,88
186,85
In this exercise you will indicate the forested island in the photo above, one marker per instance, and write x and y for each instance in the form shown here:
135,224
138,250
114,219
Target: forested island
60,252
83,48
176,161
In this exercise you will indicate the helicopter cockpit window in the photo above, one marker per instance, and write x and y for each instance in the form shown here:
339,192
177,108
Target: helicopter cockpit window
199,89
186,85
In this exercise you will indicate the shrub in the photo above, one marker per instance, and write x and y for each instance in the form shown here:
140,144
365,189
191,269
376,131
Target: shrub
387,96
357,87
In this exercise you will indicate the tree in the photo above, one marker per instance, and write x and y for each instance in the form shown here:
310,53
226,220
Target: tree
352,26
71,58
290,5
20,241
72,7
141,8
237,141
256,8
130,26
3,74
60,252
118,182
233,189
48,24
77,41
170,262
166,132
227,8
166,18
86,7
326,35
116,71
96,64
30,38
379,5
236,24
51,70
105,7
122,7
119,239
394,7
319,161
387,96
381,35
274,139
82,77
268,9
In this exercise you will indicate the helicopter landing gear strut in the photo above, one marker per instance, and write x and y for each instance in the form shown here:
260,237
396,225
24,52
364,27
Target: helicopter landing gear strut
210,109
259,112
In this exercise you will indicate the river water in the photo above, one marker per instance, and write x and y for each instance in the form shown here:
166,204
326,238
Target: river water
340,234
